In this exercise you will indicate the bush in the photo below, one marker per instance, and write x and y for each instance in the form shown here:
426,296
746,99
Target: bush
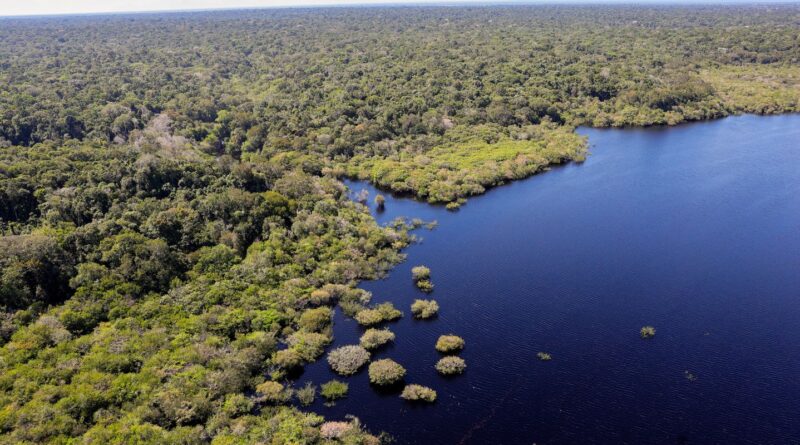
378,314
420,273
425,285
287,359
386,372
424,308
451,365
418,393
347,360
544,356
334,390
315,319
449,343
306,394
375,338
648,332
273,392
309,345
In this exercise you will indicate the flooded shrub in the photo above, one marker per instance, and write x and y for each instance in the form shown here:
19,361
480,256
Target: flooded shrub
334,390
451,365
647,332
273,392
347,360
380,202
416,393
386,372
420,273
378,314
424,308
306,394
449,343
453,206
425,286
544,356
375,338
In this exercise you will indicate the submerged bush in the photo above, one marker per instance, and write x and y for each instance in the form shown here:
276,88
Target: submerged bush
425,285
378,314
375,338
380,202
647,332
451,365
424,308
306,394
415,393
309,345
347,360
386,372
421,273
543,356
334,390
449,343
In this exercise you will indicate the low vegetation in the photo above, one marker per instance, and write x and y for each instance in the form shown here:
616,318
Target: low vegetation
423,309
418,393
386,372
449,343
347,360
647,332
451,365
375,338
379,314
334,390
544,356
306,394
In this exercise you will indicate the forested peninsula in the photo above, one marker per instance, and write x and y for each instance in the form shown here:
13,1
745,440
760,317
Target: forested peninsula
175,230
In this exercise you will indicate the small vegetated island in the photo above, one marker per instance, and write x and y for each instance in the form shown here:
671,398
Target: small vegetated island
174,228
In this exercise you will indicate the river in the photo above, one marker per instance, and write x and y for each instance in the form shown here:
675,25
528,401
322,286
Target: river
694,230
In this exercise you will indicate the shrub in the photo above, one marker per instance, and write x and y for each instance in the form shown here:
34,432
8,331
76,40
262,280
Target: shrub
287,359
386,372
375,338
378,314
347,360
424,308
420,273
418,393
335,430
425,285
315,319
306,394
369,317
451,365
334,390
648,332
449,343
544,356
273,392
380,201
309,345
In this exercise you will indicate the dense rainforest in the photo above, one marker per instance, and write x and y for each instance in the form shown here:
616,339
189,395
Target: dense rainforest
175,234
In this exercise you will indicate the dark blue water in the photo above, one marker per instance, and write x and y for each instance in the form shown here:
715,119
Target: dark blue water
694,230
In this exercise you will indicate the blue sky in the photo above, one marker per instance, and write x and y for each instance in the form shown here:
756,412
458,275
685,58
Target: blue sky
29,7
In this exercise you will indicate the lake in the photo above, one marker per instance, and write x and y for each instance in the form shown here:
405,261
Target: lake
694,230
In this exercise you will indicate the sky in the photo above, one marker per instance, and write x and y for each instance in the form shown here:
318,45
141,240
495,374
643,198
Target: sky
36,7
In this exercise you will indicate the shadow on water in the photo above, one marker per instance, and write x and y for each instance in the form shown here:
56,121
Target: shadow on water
694,230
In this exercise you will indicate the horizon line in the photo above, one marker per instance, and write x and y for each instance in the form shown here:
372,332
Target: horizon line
412,3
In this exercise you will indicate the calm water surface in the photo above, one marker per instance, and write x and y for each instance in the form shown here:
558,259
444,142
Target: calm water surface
694,230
